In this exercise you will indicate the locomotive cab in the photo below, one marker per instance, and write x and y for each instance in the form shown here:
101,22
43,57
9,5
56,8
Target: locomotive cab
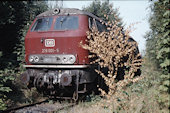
56,64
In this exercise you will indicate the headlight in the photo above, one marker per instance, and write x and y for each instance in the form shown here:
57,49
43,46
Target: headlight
36,58
65,59
72,59
33,58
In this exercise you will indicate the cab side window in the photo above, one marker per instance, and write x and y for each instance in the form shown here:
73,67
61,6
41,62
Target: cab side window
91,23
101,27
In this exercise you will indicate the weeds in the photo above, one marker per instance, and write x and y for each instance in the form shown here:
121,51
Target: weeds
115,50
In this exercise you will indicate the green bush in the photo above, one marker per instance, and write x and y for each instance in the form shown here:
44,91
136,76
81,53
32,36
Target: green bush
16,19
158,47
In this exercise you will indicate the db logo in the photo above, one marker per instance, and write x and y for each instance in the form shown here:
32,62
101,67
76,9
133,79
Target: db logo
49,42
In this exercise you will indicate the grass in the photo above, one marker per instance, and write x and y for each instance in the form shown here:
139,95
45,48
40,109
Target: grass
139,97
142,97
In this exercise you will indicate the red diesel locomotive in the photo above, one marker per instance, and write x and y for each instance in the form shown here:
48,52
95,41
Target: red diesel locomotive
56,63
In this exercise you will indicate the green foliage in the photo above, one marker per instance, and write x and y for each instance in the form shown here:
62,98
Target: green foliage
15,20
158,46
100,9
4,79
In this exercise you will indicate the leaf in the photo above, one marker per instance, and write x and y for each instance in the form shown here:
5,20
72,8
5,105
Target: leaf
152,51
166,41
5,89
166,24
166,83
166,35
165,76
166,13
2,105
162,51
165,63
166,2
163,88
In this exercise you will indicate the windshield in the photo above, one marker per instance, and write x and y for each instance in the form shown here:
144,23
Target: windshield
42,24
66,23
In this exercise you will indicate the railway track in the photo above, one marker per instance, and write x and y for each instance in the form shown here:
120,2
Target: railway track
41,107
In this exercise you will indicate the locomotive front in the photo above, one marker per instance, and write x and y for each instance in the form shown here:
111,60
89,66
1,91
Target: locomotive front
55,62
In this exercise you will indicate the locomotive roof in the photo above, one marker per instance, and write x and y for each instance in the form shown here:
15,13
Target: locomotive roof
66,11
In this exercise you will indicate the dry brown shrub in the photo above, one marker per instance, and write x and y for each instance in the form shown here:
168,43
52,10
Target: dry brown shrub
113,50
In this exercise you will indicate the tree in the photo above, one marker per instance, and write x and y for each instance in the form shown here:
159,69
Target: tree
100,9
14,16
158,43
15,19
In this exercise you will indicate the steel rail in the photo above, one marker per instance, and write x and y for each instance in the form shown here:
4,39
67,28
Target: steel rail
13,110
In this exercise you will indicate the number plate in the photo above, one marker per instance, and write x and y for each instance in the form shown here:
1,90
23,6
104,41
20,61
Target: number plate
49,60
